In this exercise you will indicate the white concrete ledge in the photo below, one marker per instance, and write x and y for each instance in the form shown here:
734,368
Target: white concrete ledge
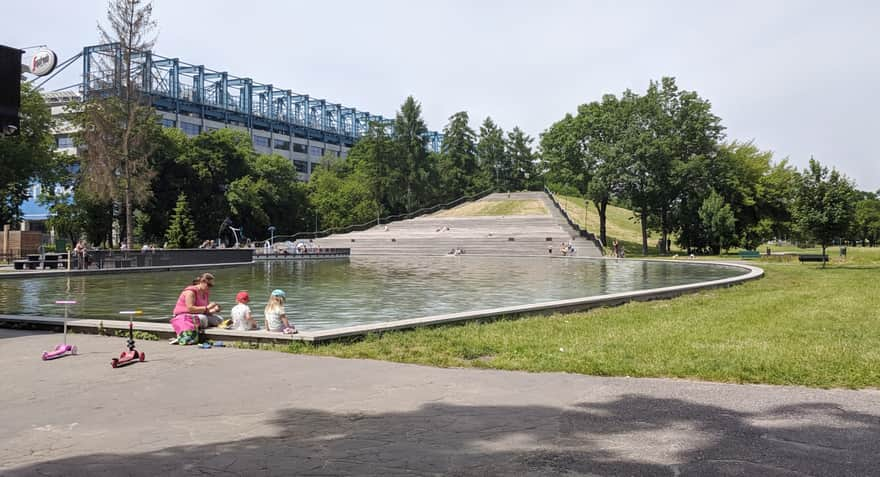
160,329
106,271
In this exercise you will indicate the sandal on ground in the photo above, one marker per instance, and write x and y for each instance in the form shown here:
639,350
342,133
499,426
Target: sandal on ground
289,331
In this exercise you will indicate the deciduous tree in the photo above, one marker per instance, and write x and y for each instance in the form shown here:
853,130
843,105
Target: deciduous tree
825,205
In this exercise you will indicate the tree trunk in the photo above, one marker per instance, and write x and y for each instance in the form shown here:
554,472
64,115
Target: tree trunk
644,220
602,208
128,226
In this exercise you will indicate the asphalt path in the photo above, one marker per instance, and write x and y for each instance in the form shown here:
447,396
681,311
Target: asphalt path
223,411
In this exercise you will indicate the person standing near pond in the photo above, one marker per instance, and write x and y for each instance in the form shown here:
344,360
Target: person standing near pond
194,309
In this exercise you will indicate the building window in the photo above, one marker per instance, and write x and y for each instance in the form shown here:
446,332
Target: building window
168,123
301,166
280,144
297,147
65,141
316,151
190,129
261,141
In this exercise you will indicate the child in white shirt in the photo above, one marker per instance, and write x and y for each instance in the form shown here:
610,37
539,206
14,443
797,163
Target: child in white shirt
241,313
276,316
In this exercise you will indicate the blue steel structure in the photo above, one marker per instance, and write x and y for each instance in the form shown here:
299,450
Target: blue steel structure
183,88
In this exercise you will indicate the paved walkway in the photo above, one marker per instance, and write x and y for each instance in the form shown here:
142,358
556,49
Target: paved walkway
188,411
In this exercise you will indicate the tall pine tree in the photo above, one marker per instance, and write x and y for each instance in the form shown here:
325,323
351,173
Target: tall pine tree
182,230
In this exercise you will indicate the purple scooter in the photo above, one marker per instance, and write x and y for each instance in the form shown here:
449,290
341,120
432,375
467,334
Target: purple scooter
62,349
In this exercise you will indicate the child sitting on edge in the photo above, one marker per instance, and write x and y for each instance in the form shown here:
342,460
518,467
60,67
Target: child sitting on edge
241,313
276,317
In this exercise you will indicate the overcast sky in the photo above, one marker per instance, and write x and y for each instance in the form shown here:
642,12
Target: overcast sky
799,78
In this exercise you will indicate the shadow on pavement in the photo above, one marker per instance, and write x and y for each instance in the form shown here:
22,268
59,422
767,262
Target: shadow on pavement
13,333
633,435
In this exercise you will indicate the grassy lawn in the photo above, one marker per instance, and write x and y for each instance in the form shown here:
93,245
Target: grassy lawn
620,225
496,207
799,325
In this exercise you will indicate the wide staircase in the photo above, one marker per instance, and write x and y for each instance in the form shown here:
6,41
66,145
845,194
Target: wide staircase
444,233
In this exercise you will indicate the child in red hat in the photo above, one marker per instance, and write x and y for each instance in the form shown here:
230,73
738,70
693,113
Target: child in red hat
241,313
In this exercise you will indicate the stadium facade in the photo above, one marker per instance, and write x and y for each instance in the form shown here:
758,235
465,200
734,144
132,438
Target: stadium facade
196,99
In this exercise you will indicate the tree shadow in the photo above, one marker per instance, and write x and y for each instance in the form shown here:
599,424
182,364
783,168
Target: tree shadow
632,435
9,330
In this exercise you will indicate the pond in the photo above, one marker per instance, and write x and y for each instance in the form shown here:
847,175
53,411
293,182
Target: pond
361,290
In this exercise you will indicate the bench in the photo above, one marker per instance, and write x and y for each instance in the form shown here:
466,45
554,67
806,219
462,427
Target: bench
812,258
35,264
749,254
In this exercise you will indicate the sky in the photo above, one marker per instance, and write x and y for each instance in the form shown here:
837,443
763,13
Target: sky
799,78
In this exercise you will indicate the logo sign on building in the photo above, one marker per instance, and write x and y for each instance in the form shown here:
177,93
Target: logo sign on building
43,62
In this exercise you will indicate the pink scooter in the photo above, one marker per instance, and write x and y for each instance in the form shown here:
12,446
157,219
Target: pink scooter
62,349
132,355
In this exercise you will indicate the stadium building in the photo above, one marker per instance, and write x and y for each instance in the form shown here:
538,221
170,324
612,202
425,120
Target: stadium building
196,99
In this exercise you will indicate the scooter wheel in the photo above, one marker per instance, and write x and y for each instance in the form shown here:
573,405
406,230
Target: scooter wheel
141,356
114,363
45,356
73,349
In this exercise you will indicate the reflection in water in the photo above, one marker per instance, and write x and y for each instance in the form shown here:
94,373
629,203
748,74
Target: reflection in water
329,294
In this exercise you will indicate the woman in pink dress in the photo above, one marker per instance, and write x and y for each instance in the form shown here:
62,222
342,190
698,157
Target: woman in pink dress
194,310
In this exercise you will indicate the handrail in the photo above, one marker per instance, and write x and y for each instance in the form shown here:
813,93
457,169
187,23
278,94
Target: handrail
581,232
386,219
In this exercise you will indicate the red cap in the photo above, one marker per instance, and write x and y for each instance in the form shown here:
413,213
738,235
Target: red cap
242,297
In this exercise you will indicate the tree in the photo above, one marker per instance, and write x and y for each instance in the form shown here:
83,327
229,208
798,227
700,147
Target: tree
341,196
270,194
867,220
374,157
825,204
459,157
686,130
116,129
491,155
211,163
522,160
638,140
718,221
409,133
171,177
182,231
28,156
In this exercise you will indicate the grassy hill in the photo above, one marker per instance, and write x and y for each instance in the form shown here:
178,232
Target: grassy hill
496,207
621,224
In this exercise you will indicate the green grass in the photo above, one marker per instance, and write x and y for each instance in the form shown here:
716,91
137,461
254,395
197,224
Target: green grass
620,225
800,325
496,208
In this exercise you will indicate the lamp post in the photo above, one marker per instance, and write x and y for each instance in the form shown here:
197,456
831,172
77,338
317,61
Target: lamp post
272,235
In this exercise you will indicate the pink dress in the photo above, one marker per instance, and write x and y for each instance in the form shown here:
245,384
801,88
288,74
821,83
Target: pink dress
183,320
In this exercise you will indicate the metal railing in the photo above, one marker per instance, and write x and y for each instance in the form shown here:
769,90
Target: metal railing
581,232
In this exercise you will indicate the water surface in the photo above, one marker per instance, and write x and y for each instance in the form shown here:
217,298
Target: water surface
333,293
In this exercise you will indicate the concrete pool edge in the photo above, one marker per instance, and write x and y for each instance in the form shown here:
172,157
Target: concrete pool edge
163,329
568,305
112,271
